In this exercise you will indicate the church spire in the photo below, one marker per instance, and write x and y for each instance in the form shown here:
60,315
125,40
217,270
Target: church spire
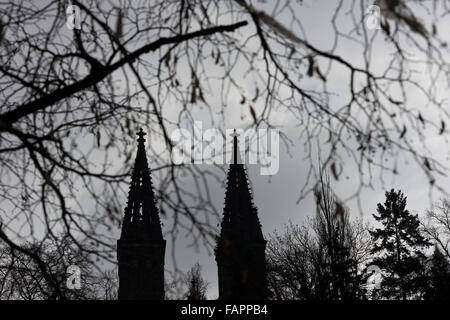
240,215
240,251
141,247
141,221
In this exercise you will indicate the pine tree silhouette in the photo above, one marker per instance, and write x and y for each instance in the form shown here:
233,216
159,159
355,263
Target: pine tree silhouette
439,277
398,246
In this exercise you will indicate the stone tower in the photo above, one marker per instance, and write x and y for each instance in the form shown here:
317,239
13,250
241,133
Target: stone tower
141,247
240,251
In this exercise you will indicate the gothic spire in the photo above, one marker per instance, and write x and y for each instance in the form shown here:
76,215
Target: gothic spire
141,221
240,218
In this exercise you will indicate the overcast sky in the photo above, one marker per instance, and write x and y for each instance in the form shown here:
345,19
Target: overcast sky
277,196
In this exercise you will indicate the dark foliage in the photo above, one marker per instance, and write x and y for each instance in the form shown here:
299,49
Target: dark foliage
399,248
323,260
197,285
439,277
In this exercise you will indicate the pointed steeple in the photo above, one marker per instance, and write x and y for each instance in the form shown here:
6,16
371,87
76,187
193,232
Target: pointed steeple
240,251
240,218
141,221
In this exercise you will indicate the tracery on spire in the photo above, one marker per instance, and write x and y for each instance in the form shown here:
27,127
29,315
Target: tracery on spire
240,218
141,220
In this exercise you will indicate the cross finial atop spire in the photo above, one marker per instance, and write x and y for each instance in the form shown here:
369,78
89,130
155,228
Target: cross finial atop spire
235,136
141,135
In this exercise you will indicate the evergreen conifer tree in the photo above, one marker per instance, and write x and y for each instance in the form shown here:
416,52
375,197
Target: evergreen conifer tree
439,277
398,246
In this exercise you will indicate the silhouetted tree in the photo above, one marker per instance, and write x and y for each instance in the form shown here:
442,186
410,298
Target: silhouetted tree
437,226
398,245
107,285
323,260
339,275
22,278
291,264
72,96
298,268
197,285
439,277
